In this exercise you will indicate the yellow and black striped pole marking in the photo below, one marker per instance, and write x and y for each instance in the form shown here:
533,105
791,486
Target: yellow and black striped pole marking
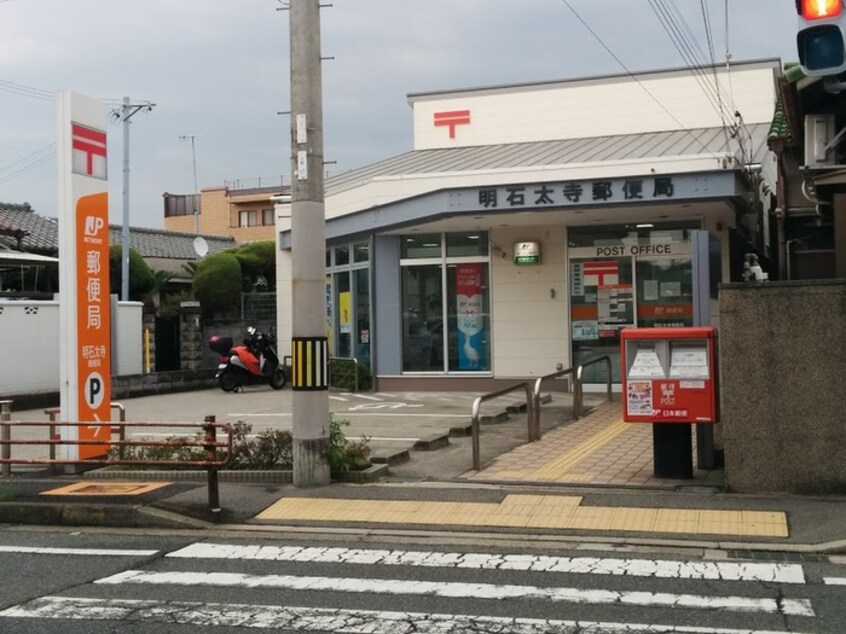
310,363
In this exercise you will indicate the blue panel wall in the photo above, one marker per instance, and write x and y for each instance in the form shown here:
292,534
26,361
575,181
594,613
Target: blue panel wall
387,305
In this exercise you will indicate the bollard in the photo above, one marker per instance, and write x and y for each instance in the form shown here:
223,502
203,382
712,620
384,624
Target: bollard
211,454
6,436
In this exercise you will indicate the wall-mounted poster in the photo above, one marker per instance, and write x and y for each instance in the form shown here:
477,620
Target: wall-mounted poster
470,316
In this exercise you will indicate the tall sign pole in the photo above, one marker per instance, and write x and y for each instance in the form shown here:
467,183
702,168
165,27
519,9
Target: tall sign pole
310,346
84,306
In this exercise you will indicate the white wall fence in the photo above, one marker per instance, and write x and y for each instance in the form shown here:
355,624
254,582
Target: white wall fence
29,338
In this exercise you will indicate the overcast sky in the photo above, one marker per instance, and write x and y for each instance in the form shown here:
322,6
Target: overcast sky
218,69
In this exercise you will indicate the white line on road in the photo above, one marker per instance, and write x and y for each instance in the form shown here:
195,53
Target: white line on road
338,398
366,397
659,569
456,590
96,552
834,581
273,617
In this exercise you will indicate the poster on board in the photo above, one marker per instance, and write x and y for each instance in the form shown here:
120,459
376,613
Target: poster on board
469,316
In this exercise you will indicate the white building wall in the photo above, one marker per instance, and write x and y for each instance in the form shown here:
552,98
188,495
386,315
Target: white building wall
594,107
529,304
29,335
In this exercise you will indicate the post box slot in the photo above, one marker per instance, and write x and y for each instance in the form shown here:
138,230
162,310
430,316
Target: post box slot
689,360
648,360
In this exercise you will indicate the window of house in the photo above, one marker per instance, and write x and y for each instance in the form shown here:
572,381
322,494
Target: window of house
247,218
267,217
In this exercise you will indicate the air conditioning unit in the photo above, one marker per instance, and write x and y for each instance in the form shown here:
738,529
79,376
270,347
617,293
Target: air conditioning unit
819,132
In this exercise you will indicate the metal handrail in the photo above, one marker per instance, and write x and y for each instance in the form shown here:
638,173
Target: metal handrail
474,424
212,462
536,397
52,412
580,395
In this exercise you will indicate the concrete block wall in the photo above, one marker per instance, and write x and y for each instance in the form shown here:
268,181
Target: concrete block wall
783,380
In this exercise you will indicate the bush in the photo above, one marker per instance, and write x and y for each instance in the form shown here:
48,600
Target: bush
217,283
346,455
269,449
141,278
342,375
258,265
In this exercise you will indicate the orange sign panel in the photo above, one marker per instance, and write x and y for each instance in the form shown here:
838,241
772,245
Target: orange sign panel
93,322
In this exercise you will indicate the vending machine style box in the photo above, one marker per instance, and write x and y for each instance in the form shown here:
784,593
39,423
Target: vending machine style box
669,375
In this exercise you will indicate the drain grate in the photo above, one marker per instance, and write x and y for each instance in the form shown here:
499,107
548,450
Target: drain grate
772,555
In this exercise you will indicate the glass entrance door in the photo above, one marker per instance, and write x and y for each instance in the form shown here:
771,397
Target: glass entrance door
601,304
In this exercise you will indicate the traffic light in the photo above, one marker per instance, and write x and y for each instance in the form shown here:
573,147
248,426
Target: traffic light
821,39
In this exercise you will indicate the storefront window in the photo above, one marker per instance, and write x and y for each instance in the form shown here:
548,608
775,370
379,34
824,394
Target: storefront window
348,301
426,245
446,333
361,252
623,276
467,244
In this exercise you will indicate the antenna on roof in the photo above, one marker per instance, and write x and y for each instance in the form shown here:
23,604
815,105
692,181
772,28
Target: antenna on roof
201,247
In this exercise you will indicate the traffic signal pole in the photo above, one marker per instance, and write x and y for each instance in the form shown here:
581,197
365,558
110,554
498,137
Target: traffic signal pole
308,247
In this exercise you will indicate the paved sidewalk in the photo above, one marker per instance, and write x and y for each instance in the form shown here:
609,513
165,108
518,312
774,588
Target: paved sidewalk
597,449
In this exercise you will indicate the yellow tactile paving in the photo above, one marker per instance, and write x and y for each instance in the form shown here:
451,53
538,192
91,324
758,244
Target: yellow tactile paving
534,511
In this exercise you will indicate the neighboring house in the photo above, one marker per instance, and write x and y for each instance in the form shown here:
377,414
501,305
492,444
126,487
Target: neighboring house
243,213
809,221
23,229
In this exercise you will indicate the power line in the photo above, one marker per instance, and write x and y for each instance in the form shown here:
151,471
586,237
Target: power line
49,146
636,80
26,168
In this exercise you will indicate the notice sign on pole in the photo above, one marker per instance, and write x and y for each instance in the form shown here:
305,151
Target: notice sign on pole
85,353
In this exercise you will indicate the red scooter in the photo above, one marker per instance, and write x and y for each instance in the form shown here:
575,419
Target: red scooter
254,362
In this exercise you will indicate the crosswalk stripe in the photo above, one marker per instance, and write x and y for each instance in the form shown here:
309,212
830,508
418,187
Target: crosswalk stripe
325,619
791,607
96,552
835,581
661,569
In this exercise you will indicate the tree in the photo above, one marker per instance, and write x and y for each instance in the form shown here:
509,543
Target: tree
141,279
218,282
258,265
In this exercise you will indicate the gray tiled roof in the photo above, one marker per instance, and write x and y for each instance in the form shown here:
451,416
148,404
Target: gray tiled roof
671,143
43,235
158,243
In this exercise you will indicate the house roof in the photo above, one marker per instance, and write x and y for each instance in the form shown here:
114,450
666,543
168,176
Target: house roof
42,234
601,149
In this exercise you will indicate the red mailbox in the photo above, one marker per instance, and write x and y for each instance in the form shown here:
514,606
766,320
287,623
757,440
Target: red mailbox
669,375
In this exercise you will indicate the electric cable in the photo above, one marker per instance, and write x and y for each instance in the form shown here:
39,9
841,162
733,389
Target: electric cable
631,75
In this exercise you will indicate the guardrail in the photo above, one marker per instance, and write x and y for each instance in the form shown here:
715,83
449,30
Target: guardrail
212,461
477,404
53,412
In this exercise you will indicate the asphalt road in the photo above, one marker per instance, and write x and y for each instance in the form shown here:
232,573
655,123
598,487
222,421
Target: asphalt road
180,583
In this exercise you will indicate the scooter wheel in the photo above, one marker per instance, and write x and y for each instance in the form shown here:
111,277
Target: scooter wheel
278,380
226,381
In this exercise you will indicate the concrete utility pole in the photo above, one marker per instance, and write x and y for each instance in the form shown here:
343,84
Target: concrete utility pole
127,111
310,347
193,137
